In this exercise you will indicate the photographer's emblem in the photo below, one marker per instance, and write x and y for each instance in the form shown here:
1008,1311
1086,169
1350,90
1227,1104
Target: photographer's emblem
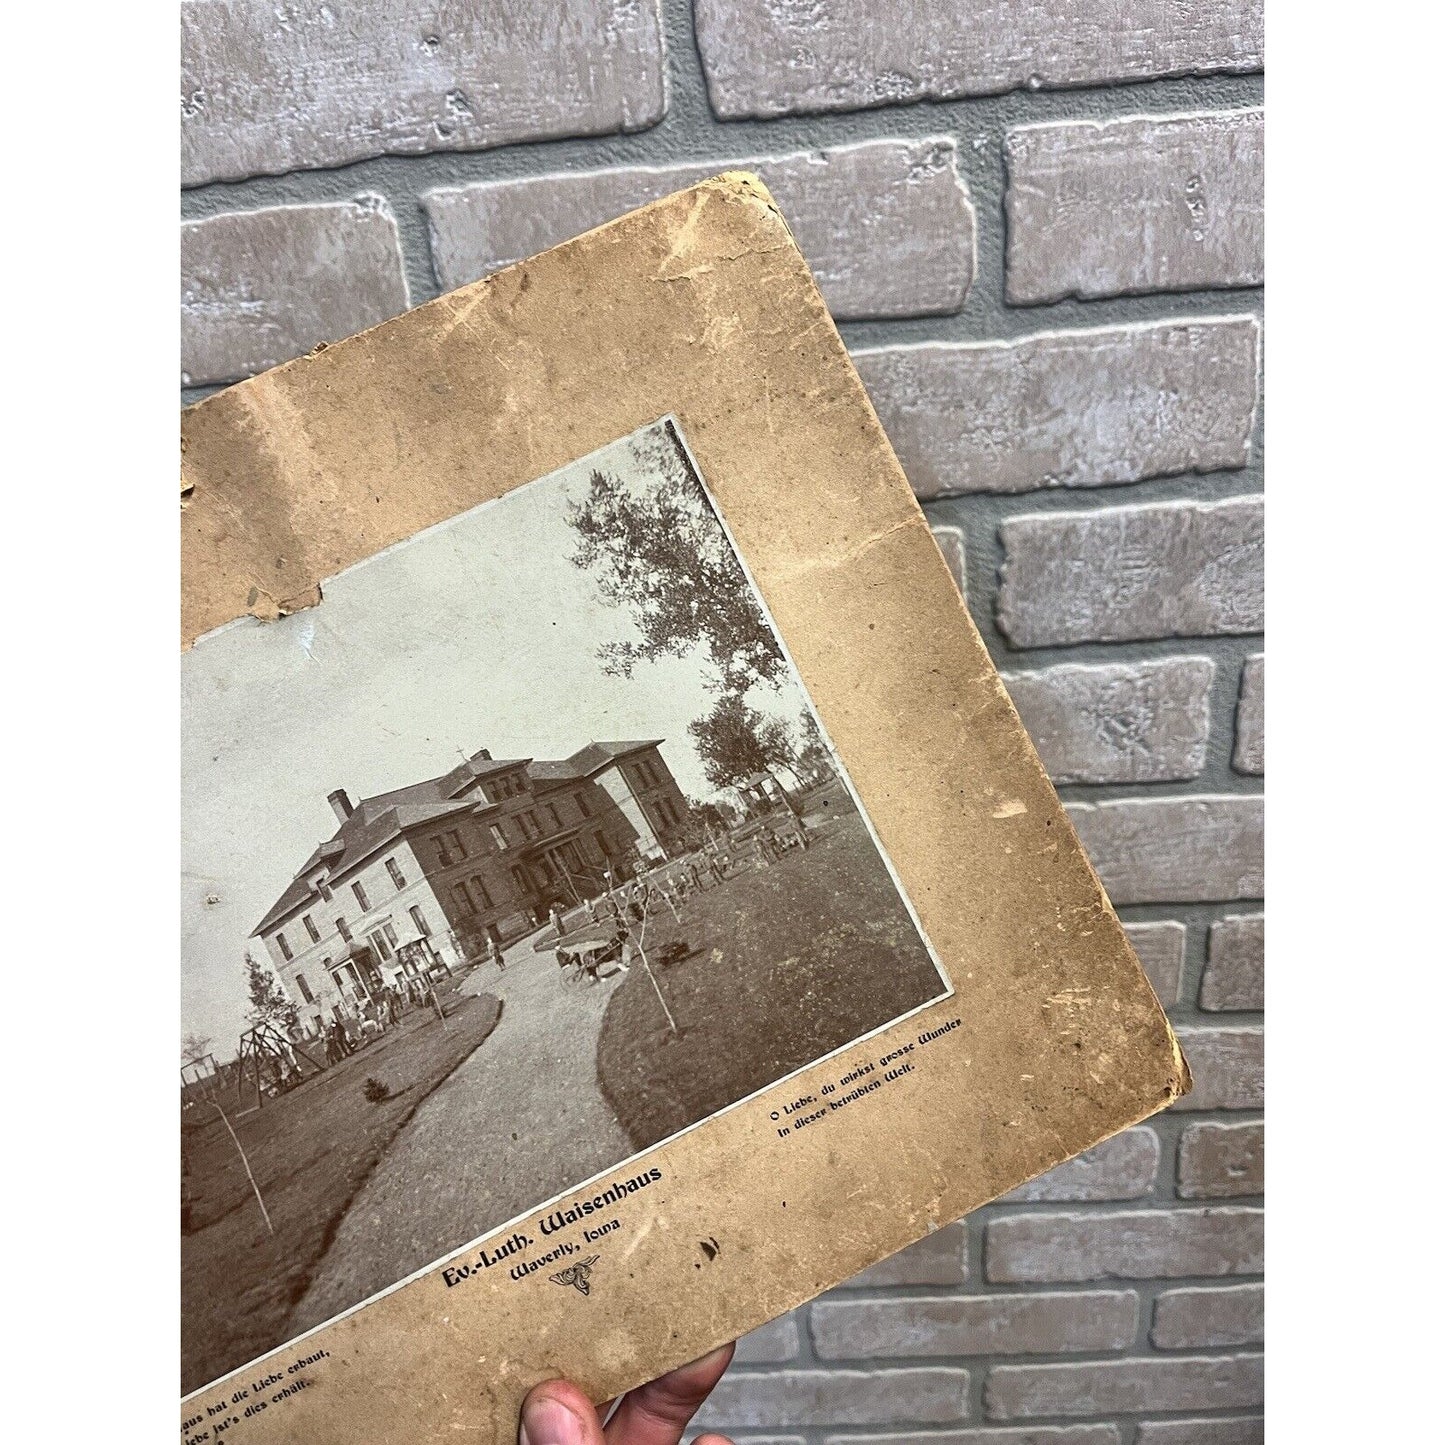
578,1275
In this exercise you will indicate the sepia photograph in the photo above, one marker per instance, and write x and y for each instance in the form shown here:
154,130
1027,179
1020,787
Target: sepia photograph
520,853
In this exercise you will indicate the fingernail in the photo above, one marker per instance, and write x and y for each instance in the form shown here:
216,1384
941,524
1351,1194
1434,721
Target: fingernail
549,1422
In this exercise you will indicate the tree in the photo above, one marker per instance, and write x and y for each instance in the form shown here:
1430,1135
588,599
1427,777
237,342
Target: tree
194,1048
663,556
718,814
735,741
812,753
269,1004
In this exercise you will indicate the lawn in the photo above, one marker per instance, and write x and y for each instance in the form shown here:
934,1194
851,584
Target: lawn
784,965
310,1150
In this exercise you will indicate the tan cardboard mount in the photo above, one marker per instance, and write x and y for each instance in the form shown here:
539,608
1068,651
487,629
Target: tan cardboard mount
701,306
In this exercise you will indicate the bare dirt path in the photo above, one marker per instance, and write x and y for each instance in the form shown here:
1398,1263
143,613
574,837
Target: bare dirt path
520,1120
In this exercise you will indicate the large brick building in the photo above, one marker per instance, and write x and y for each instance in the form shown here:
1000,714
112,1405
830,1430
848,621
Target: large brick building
426,874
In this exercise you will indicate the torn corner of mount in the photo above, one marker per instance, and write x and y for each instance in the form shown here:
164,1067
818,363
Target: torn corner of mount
264,607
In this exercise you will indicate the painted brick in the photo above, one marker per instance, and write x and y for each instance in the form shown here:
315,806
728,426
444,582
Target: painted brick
1191,1319
1228,1068
1119,574
1175,850
770,1343
1249,718
939,1258
1204,1382
765,58
1136,722
1145,203
951,544
1123,1167
1214,1431
887,226
261,287
1018,1324
1221,1161
1160,947
791,1398
1068,408
266,89
1158,1243
1234,971
1091,1434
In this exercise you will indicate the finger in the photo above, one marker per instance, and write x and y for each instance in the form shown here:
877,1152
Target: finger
558,1413
658,1413
712,1440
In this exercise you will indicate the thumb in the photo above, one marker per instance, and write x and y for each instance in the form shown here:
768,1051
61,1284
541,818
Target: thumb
558,1413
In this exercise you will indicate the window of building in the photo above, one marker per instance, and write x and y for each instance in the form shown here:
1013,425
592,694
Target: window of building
443,855
378,940
305,988
283,946
556,816
583,806
482,893
396,874
498,836
419,918
324,889
463,897
311,932
389,929
455,839
343,930
361,897
519,878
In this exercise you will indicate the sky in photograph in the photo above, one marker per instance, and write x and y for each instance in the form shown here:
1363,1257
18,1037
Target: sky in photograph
479,633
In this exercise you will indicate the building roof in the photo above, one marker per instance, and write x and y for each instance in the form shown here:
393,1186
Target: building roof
376,821
586,761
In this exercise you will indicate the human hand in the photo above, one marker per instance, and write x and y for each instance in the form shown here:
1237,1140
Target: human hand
558,1413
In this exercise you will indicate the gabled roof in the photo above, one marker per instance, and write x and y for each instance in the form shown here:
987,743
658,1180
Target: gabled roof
367,829
586,761
375,821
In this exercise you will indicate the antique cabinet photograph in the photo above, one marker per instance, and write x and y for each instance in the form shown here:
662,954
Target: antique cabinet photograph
521,854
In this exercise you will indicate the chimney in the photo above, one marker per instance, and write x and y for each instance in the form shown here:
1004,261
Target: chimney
340,804
485,754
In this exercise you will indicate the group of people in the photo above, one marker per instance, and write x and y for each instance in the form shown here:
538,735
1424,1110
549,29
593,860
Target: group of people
626,904
377,1014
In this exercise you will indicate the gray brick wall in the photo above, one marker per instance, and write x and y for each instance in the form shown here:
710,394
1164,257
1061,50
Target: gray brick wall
1050,276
